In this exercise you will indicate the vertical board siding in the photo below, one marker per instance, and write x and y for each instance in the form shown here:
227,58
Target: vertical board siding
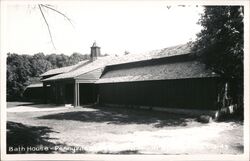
185,93
34,94
69,93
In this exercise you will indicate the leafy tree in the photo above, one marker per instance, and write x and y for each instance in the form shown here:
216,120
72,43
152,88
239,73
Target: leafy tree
52,59
39,64
18,72
220,44
61,60
23,70
76,57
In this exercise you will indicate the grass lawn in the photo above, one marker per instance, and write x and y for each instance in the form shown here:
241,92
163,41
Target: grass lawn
103,130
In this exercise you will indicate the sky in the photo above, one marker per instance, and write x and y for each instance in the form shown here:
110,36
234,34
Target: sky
133,26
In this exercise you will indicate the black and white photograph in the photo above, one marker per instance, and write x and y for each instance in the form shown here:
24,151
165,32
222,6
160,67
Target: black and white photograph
124,80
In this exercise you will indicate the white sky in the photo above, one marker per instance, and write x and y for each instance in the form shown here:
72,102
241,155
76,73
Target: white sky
116,26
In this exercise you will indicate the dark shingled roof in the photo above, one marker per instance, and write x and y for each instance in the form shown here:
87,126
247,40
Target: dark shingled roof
88,66
82,69
176,70
61,70
154,54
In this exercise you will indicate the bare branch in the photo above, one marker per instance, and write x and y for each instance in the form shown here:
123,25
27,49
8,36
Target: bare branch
51,39
55,10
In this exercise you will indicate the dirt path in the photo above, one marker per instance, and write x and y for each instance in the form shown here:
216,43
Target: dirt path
119,131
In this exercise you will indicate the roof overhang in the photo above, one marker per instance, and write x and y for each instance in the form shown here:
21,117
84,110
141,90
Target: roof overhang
85,81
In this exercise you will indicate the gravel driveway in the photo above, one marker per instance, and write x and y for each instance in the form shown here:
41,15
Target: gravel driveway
102,130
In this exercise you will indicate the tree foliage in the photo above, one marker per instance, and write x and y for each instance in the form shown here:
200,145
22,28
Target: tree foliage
23,70
18,72
220,44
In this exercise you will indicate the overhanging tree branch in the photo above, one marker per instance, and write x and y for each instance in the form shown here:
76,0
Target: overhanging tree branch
50,7
55,10
51,38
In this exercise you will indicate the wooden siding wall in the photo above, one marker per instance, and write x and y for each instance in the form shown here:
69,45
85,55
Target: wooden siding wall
34,94
60,92
186,93
69,93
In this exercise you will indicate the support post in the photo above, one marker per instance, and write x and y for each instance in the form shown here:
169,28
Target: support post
45,92
76,95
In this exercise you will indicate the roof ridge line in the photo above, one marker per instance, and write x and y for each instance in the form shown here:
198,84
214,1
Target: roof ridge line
78,66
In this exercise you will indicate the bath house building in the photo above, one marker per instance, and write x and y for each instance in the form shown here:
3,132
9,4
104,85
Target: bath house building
167,78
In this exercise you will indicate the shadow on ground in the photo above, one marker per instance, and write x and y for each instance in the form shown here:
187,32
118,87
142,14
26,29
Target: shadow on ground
29,104
23,139
239,148
123,116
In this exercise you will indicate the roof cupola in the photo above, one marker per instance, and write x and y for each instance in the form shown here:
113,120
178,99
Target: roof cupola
95,52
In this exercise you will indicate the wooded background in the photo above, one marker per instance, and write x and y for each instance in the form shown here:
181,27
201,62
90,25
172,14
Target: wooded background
22,70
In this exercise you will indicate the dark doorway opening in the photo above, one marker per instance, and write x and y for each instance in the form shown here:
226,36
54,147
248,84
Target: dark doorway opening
88,93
